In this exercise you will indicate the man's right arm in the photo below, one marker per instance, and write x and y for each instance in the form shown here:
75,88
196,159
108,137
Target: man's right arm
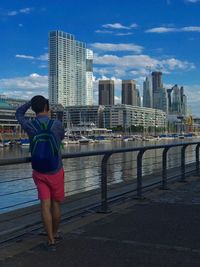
20,116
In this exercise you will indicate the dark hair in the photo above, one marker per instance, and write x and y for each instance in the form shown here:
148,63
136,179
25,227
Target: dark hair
39,103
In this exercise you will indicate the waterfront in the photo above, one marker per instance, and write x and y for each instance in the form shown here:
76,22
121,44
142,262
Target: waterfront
81,174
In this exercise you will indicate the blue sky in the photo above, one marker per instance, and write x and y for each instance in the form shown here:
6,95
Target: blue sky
126,37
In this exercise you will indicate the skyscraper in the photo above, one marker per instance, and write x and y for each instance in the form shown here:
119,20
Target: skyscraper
147,93
70,70
106,92
129,93
160,98
89,77
157,83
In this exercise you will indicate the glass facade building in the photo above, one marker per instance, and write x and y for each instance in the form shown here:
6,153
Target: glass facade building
70,70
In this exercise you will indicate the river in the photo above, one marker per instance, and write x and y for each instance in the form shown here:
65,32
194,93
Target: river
81,174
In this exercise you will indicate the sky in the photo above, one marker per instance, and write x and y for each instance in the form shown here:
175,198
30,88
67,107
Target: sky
129,38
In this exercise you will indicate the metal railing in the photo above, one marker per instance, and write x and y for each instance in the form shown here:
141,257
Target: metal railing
106,155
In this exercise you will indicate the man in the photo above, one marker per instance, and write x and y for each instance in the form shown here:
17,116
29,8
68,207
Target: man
50,185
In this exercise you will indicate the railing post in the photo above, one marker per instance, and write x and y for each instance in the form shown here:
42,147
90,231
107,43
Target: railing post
164,169
197,159
139,173
183,163
104,202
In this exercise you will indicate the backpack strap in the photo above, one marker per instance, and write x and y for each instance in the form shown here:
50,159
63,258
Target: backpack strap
42,125
36,125
50,124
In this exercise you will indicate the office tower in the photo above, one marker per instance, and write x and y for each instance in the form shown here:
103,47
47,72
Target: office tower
129,93
147,93
169,96
157,83
157,86
138,99
160,97
69,74
176,100
183,102
106,92
89,77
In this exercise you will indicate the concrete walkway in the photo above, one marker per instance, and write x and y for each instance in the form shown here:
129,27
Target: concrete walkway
162,230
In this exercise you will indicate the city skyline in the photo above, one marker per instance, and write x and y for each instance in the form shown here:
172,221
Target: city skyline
163,36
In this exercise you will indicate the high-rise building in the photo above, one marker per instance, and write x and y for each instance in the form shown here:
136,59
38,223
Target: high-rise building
129,93
147,93
89,77
178,101
157,83
138,103
106,92
70,70
160,97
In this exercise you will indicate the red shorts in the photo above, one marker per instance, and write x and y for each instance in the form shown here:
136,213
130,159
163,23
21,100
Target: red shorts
50,186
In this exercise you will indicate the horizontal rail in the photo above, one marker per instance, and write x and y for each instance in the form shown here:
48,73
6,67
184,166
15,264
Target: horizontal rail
11,161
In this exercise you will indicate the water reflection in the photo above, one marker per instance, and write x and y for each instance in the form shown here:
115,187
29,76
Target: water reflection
82,174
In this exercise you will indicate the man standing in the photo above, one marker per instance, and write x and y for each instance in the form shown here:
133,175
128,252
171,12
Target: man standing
50,183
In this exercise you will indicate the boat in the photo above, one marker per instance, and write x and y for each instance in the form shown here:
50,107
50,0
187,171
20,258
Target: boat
25,142
83,140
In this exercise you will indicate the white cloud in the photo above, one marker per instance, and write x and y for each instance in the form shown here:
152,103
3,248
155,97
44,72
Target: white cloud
173,63
104,31
26,10
24,56
172,29
43,57
161,30
117,47
24,87
192,1
132,66
123,33
119,26
191,29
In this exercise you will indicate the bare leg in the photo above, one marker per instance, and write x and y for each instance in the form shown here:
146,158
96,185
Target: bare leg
56,215
47,219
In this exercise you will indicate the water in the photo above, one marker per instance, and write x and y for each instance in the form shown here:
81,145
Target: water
81,174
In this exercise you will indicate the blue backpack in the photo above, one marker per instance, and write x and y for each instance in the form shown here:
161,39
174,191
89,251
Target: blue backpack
44,148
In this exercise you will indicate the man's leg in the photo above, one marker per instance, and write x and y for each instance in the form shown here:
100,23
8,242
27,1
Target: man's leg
56,215
47,219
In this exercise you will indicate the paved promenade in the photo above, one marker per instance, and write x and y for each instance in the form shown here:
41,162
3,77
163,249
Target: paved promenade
161,230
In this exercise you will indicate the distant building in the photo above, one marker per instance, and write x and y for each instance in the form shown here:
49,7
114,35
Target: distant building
83,115
178,101
138,103
157,83
147,93
160,96
106,92
116,115
70,70
89,77
8,121
128,115
129,93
